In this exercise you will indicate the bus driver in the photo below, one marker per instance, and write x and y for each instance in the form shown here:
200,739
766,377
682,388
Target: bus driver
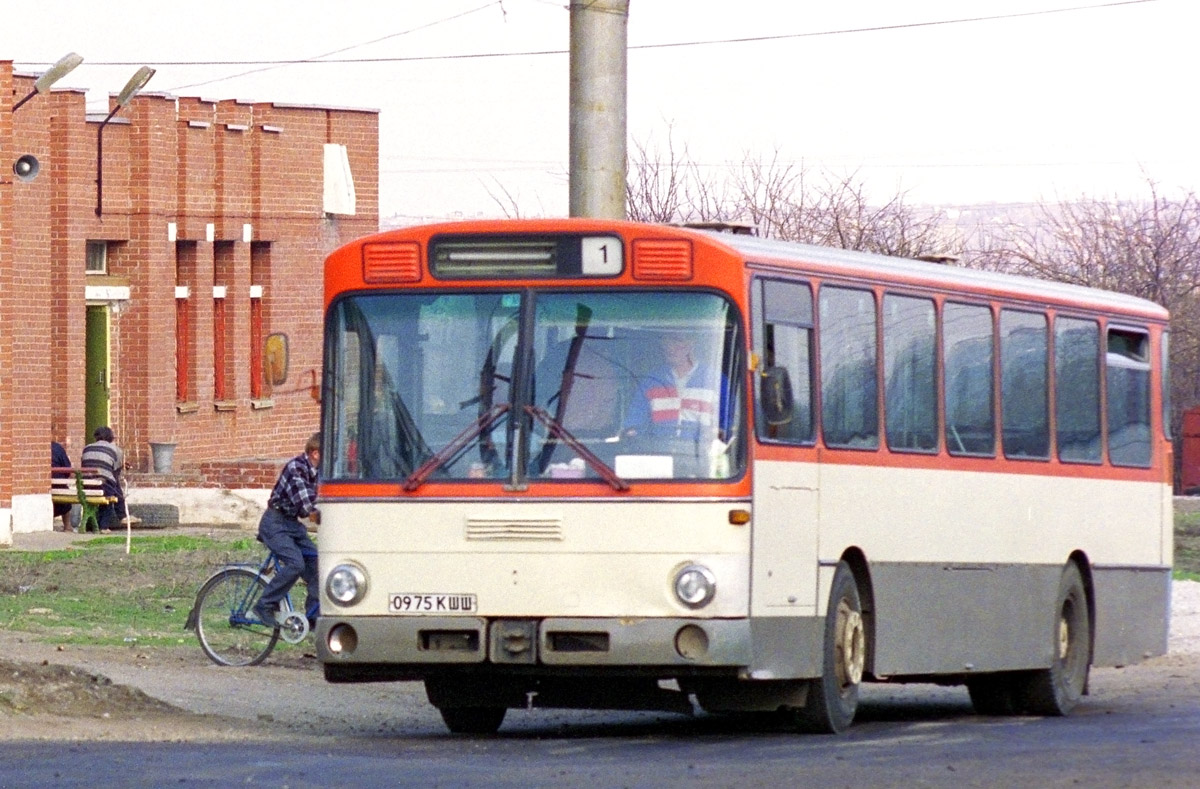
682,400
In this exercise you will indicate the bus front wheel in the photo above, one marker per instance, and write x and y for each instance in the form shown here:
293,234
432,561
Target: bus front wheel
833,697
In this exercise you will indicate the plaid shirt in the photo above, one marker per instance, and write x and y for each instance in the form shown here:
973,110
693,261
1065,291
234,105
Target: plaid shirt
295,492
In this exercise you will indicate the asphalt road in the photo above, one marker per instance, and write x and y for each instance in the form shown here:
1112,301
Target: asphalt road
281,724
1140,727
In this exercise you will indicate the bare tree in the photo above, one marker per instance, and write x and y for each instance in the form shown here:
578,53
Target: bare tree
1145,248
770,194
509,204
654,186
782,199
667,185
1148,248
840,214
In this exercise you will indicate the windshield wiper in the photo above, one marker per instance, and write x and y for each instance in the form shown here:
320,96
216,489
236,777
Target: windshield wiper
562,434
443,455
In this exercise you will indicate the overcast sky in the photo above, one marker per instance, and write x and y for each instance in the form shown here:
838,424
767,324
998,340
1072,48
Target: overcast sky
1027,102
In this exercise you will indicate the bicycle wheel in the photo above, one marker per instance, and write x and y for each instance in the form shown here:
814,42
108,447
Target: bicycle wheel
228,631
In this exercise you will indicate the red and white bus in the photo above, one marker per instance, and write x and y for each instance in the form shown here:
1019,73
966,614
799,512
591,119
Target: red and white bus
596,464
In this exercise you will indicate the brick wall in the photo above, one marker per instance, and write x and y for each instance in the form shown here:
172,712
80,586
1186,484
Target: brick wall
30,284
7,298
71,160
235,473
196,193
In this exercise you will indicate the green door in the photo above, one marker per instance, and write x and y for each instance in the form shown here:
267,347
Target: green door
96,413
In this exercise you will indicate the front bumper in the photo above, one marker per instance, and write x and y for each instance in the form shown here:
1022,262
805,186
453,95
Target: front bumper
430,642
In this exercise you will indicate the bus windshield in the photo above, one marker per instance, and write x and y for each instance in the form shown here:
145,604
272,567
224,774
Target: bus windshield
535,385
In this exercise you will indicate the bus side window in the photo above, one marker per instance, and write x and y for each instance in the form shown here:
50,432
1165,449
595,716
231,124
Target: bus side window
967,345
849,380
785,337
910,373
1077,390
1127,376
1024,399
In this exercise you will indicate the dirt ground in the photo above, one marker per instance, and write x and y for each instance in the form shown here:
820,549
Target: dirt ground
174,694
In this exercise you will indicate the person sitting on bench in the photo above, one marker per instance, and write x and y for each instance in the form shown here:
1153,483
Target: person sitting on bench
59,459
108,460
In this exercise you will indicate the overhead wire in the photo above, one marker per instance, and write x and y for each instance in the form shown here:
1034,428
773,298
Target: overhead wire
320,59
328,59
269,65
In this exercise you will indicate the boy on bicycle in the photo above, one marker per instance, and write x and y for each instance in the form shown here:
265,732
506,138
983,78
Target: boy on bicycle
293,497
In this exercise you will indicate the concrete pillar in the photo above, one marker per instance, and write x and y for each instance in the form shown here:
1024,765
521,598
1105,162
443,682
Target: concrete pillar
597,145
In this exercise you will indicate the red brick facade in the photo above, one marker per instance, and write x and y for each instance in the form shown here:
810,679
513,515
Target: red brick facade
196,194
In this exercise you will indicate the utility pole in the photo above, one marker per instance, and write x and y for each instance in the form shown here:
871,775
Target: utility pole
597,146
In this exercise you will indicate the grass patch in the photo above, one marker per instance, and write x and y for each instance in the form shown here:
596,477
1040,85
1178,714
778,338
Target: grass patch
95,593
1187,546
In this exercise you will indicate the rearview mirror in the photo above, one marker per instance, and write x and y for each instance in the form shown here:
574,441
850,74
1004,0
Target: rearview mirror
275,359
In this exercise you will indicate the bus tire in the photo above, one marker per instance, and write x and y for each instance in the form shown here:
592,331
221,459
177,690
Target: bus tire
833,697
1056,690
473,720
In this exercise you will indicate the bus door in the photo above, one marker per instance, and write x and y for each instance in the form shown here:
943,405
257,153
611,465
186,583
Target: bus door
784,545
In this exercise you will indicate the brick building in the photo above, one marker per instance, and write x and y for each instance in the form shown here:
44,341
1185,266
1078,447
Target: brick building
159,299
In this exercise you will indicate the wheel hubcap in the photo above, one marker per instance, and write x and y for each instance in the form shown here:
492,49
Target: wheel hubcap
850,645
1064,631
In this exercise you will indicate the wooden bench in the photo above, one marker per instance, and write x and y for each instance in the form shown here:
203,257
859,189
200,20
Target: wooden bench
84,487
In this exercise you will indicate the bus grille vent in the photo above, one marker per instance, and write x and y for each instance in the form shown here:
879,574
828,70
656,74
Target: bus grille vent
662,259
391,262
514,529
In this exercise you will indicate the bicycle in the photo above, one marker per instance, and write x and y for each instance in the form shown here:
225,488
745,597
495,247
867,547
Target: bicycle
224,621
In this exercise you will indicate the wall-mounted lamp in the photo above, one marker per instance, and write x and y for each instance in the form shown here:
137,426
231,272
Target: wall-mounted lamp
53,74
135,83
26,167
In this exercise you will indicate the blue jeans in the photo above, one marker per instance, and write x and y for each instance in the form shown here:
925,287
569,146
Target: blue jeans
289,540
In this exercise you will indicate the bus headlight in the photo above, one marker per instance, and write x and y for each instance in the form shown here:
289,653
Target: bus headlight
695,586
346,584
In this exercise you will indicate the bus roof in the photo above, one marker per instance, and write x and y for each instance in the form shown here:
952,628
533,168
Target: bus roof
791,253
767,249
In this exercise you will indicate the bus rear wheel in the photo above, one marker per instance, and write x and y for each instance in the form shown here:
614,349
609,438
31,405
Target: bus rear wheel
1056,690
833,697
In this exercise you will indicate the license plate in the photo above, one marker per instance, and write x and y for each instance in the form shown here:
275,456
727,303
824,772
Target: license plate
431,603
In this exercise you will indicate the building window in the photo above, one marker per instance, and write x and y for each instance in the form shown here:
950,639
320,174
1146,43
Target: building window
182,332
97,257
256,343
219,387
186,321
260,320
